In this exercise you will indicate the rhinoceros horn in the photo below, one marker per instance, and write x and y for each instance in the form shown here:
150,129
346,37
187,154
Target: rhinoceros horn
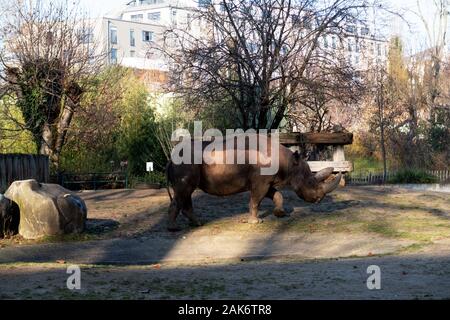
323,174
330,186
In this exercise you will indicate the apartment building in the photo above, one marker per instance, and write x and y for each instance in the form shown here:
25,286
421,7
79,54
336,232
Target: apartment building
131,33
360,45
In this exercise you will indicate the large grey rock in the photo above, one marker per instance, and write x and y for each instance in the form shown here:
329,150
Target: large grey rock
47,209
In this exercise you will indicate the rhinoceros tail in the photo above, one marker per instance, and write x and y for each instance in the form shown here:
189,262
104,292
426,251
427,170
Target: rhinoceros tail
168,180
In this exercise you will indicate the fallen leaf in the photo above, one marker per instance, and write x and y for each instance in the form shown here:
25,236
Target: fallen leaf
155,266
61,261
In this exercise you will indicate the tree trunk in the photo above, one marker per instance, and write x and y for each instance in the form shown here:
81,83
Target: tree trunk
383,152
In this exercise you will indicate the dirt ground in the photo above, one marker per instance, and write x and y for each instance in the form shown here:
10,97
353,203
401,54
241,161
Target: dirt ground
320,251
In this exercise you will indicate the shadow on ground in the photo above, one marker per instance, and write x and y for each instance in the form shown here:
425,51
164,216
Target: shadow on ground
406,277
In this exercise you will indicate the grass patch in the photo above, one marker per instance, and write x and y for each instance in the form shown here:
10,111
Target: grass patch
384,228
367,164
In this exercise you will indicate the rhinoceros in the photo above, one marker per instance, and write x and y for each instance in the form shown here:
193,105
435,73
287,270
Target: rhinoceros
9,217
227,179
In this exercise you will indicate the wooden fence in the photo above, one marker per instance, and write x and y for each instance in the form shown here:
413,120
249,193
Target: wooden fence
22,166
360,177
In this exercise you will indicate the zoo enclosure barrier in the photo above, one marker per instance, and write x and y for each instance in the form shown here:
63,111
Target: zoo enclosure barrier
92,181
15,166
373,178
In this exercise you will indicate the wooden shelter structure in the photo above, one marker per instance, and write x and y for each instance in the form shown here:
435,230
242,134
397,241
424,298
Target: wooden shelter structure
337,140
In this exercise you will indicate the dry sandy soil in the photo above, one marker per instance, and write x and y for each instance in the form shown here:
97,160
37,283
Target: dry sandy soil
320,252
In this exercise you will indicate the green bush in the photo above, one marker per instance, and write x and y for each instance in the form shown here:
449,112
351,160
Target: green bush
412,176
150,177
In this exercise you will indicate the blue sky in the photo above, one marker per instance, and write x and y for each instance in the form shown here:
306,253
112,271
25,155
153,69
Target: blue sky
414,35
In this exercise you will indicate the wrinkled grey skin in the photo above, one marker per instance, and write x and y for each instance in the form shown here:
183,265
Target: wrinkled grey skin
9,217
228,179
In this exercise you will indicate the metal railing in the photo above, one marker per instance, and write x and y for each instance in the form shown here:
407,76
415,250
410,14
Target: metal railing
92,181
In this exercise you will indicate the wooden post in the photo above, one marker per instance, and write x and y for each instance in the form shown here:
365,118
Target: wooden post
338,155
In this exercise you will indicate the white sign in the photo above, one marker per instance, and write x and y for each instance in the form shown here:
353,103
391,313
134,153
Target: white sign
149,166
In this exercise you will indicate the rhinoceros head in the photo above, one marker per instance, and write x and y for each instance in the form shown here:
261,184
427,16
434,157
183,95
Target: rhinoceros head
312,187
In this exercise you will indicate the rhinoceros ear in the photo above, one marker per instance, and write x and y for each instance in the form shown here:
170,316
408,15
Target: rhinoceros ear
296,158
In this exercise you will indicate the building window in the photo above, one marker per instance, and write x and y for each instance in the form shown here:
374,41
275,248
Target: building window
350,29
132,53
113,57
379,49
142,2
86,36
204,3
188,21
174,17
113,35
137,17
147,36
154,16
350,46
253,47
365,31
91,55
333,42
325,42
132,38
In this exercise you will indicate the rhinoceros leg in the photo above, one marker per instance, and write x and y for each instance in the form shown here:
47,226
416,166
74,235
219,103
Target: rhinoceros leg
277,199
257,194
188,211
174,209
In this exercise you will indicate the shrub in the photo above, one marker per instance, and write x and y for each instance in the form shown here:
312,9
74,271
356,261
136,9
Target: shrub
412,176
150,177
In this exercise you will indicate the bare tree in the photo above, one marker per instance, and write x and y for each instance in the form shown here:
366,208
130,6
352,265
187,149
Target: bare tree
386,99
327,88
47,63
254,56
437,39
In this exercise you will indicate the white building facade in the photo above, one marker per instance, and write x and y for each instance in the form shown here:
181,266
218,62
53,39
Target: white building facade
130,34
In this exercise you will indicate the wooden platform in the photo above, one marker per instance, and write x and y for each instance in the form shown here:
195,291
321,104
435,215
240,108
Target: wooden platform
335,139
339,166
328,138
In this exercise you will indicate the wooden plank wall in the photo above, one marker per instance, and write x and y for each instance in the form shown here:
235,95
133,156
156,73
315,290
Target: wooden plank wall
21,167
